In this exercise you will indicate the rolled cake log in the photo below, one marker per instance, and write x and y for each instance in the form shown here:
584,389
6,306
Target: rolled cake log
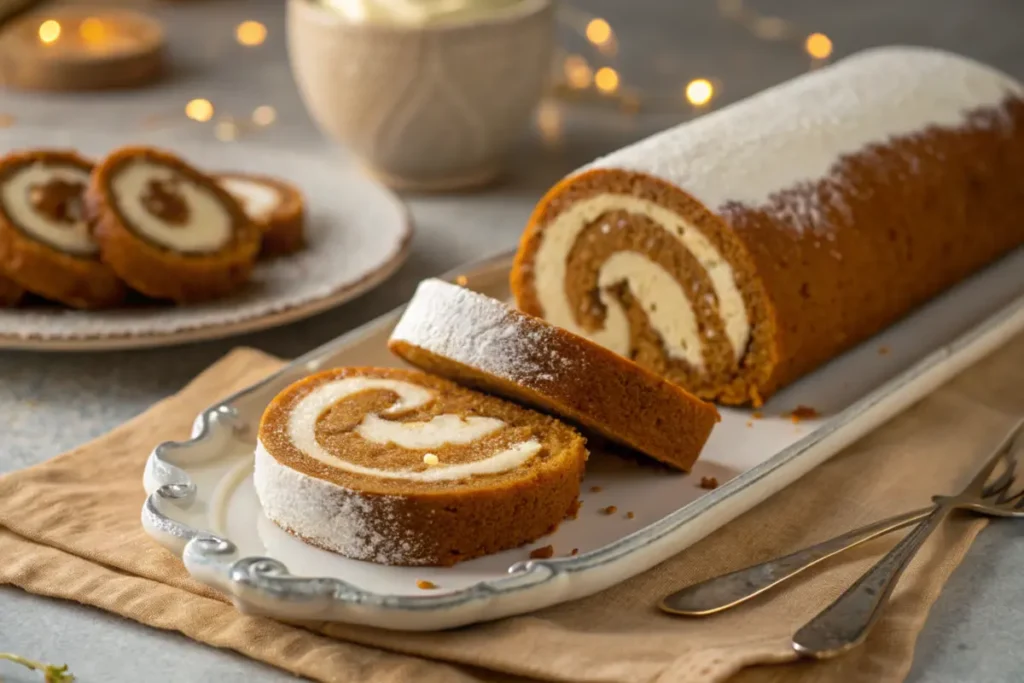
399,467
735,253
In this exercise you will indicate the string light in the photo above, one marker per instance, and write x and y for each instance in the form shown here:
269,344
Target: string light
578,73
199,110
49,31
251,33
264,115
699,92
598,31
818,45
606,79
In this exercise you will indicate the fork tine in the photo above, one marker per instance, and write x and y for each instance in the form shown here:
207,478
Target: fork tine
1001,484
1007,445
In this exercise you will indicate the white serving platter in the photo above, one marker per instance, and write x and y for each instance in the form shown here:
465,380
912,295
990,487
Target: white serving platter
358,234
202,504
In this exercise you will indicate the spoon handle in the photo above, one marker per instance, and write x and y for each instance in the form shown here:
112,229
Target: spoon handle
729,590
846,622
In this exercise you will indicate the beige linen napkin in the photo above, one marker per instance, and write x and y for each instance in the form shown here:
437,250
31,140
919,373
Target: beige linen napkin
69,528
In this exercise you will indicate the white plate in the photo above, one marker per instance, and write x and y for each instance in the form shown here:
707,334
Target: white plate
202,503
358,232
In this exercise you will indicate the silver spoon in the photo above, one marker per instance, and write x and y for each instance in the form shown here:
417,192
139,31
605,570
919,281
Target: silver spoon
726,591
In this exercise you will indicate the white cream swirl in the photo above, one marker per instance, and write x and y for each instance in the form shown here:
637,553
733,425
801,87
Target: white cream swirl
441,430
667,306
208,225
70,237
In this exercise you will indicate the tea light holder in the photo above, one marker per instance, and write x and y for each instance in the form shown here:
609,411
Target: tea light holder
78,49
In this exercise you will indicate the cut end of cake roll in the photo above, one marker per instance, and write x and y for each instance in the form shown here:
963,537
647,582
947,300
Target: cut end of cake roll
46,241
641,267
398,467
274,206
737,252
480,342
169,230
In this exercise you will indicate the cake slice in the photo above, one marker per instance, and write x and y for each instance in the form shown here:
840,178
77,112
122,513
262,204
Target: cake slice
167,229
399,467
737,252
480,342
274,206
46,242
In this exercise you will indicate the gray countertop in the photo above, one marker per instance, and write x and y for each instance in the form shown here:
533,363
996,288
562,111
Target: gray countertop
50,403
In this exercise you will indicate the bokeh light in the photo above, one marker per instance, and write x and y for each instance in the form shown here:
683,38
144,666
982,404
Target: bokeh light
251,33
699,92
818,45
49,31
199,110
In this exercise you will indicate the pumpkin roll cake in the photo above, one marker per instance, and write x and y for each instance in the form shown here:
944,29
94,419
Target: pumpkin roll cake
737,252
276,207
480,342
168,230
46,243
402,468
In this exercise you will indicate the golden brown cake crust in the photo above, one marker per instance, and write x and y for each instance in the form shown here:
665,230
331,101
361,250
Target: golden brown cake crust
878,249
480,342
283,228
412,522
157,271
79,281
10,293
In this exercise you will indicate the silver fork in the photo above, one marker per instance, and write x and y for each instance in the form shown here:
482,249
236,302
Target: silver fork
721,593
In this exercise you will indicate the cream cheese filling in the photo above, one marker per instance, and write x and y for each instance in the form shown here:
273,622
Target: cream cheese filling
669,311
257,199
208,227
72,238
439,431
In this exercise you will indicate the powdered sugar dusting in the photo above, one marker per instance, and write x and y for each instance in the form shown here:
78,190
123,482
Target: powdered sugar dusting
358,526
483,333
792,135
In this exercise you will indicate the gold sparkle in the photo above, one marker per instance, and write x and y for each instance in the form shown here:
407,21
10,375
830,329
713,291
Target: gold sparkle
264,115
599,31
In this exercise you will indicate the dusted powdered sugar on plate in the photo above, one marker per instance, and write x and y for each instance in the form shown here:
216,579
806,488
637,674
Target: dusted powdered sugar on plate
455,322
357,232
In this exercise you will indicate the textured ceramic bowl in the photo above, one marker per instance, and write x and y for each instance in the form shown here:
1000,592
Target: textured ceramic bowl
432,107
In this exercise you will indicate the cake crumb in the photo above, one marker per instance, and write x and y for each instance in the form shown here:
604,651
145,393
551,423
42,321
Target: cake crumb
709,483
610,510
426,585
757,415
575,551
802,412
574,511
750,424
630,515
542,553
883,350
462,280
596,489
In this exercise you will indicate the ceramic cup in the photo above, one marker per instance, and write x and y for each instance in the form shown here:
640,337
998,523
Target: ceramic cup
432,107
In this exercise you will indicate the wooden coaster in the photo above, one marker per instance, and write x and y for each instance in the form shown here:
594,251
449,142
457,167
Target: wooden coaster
78,49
